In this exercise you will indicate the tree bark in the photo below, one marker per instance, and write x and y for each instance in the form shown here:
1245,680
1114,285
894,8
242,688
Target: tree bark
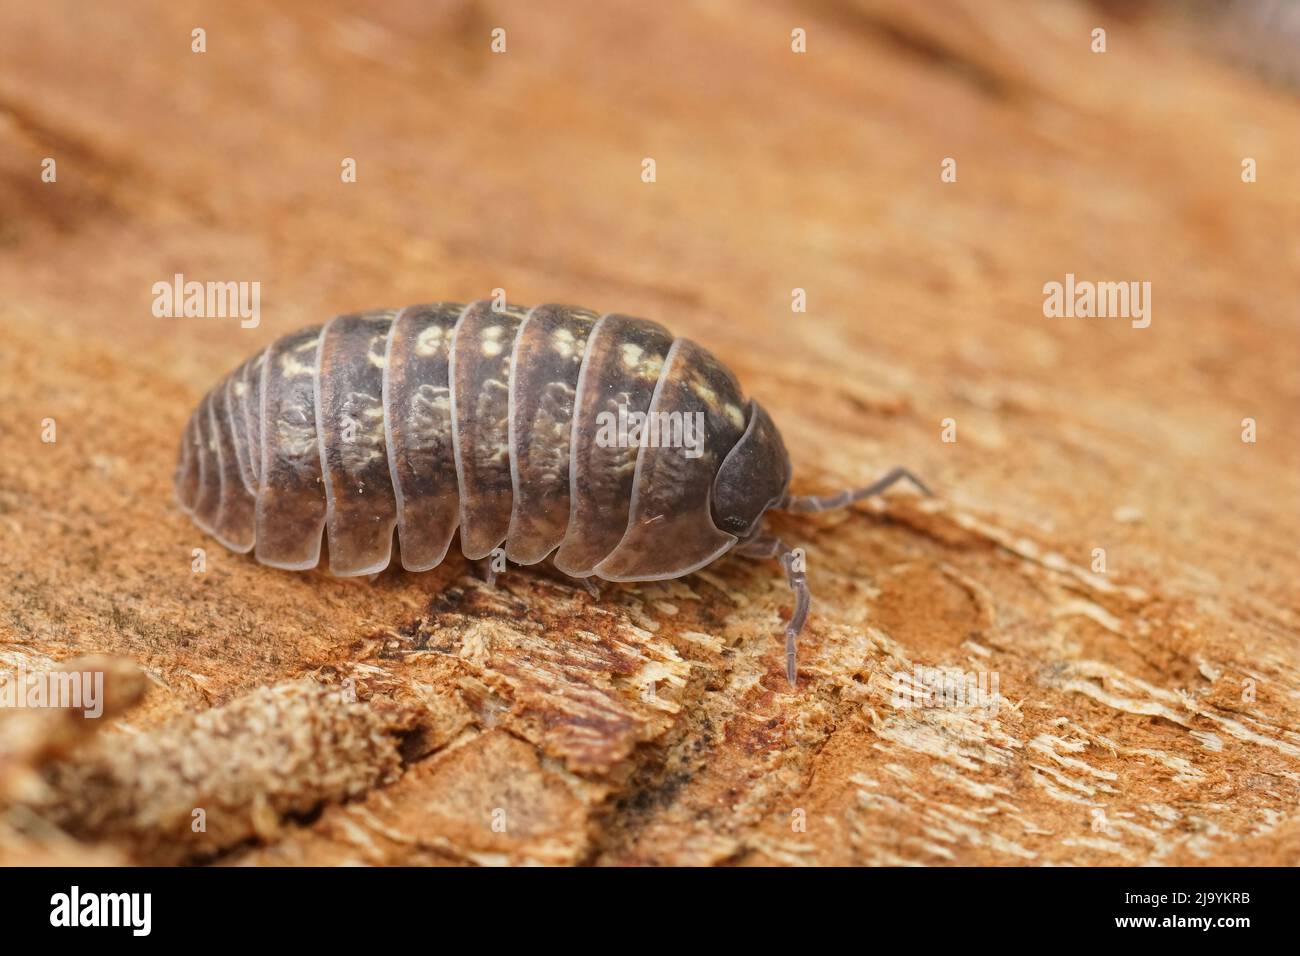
1106,549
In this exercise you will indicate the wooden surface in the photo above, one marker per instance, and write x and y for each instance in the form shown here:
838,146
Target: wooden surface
1149,713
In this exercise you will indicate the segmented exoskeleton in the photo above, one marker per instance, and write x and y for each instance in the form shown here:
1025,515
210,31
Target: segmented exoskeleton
504,423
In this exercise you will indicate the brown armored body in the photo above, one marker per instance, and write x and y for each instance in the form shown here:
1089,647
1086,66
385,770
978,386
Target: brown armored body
626,453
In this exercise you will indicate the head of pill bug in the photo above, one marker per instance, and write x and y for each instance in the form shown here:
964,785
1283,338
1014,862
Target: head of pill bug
753,477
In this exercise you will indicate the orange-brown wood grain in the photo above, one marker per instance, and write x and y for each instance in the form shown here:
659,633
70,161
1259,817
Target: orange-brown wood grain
1149,710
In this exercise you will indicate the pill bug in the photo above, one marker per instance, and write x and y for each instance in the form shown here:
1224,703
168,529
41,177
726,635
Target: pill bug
499,422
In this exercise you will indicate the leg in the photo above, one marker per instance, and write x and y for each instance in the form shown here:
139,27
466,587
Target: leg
490,566
588,583
770,546
807,503
585,583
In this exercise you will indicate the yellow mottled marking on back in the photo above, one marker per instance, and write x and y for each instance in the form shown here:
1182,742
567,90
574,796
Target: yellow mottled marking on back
492,345
291,367
563,342
429,341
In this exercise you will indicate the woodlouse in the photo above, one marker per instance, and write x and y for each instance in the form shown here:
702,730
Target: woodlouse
489,420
